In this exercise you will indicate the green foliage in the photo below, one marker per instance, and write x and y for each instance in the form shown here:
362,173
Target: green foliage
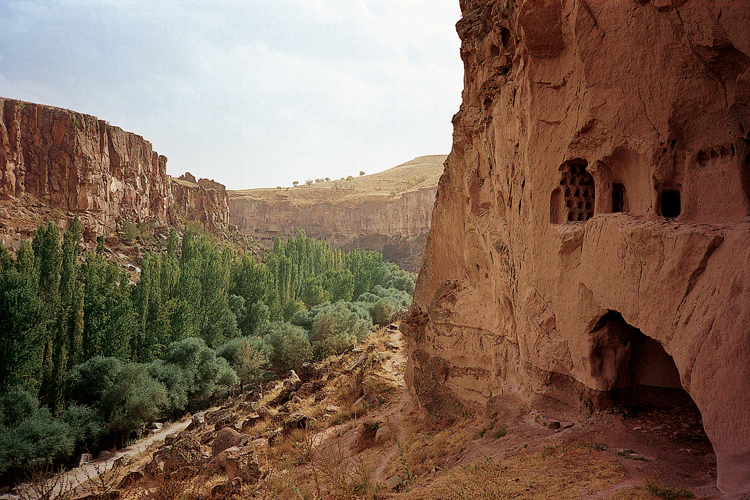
290,345
83,350
335,327
134,399
199,366
172,378
85,423
36,441
247,356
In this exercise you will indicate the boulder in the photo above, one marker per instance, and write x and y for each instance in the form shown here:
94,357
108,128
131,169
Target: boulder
312,371
239,462
131,479
227,438
185,452
251,421
295,421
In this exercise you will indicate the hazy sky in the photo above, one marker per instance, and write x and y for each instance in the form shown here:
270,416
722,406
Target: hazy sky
251,93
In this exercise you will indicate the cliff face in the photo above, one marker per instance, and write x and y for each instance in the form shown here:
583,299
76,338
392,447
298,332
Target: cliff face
590,240
367,212
79,164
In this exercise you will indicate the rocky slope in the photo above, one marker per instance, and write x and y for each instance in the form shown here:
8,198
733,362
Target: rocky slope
590,242
389,211
56,163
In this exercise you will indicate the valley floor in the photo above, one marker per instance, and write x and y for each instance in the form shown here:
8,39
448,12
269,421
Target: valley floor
361,441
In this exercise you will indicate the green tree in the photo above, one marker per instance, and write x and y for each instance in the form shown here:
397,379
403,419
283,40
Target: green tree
334,328
290,346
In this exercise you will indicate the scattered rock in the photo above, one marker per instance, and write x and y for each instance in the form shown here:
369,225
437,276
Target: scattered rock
171,438
274,436
215,416
282,398
332,408
312,371
185,452
264,412
250,421
394,482
240,462
384,434
227,438
196,423
227,489
131,478
123,461
392,345
295,421
105,455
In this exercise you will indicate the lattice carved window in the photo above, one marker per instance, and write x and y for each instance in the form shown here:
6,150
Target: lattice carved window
577,188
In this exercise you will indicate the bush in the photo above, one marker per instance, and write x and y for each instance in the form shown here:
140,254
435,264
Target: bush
199,366
171,376
248,356
88,382
36,441
290,344
85,423
334,328
134,399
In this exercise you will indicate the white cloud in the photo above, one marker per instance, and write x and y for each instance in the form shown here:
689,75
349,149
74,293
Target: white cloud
251,93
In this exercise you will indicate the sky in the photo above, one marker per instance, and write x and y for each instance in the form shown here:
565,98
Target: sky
250,93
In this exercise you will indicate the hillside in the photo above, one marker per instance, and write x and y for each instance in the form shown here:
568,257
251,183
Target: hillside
345,428
389,211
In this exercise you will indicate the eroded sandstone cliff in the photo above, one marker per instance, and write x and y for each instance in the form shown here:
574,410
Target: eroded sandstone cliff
590,240
75,163
389,212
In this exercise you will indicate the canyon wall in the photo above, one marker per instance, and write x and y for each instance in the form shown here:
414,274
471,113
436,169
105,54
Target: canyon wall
590,237
370,216
79,164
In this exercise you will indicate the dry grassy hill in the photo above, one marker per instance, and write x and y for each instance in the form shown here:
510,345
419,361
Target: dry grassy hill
389,211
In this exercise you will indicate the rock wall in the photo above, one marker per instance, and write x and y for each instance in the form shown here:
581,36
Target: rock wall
80,164
397,227
591,233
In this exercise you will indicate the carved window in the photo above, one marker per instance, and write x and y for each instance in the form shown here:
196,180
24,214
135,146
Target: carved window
577,186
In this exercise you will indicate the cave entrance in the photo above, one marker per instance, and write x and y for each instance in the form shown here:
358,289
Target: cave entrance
635,367
644,385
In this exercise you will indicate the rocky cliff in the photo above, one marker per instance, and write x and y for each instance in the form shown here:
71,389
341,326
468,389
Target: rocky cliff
590,241
76,163
389,211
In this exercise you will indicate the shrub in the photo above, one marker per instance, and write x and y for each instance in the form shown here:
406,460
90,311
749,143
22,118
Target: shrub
290,345
334,328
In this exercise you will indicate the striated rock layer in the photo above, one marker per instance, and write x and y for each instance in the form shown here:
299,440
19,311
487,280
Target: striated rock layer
590,241
389,211
80,164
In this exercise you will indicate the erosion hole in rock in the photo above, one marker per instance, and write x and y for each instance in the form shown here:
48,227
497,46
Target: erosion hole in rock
670,204
577,190
494,50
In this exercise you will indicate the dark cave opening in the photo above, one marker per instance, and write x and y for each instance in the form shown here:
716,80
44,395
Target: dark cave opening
644,383
671,205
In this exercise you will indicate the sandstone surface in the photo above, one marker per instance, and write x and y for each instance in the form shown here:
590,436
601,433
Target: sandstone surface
590,241
53,158
389,212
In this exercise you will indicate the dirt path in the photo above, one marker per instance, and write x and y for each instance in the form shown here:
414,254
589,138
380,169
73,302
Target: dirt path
79,475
